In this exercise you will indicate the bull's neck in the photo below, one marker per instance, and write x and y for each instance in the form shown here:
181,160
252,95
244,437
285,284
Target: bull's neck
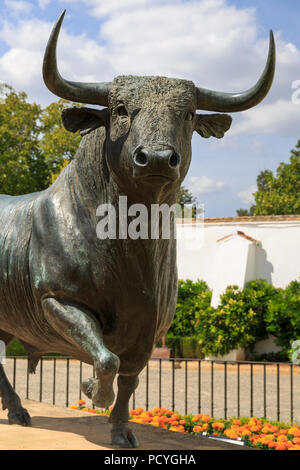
90,184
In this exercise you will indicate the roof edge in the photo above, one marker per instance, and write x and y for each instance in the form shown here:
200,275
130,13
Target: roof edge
258,218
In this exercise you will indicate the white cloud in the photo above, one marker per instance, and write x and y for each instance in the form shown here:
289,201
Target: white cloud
204,185
246,196
18,7
279,118
43,3
80,58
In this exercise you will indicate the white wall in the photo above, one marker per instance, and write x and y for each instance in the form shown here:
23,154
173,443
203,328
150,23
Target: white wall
277,258
234,263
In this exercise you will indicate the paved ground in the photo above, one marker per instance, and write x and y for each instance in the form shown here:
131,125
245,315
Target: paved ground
186,396
59,428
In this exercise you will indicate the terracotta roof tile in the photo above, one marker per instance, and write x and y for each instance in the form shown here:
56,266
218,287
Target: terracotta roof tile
240,234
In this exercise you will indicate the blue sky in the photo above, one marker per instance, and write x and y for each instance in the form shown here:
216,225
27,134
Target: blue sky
219,44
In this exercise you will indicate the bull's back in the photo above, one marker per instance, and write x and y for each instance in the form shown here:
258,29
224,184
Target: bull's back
15,233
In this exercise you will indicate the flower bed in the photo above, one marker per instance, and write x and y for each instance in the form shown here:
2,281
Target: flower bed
255,432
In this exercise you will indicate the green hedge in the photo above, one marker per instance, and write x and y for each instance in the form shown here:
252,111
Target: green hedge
283,315
192,296
239,320
187,347
15,348
243,317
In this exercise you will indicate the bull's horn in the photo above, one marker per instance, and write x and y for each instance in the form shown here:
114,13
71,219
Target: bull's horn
230,102
92,93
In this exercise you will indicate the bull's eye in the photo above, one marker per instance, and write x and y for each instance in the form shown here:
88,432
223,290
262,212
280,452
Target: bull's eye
189,116
122,111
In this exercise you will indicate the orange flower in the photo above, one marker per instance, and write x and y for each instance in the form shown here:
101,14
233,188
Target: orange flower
236,422
288,444
155,410
283,431
265,429
282,438
155,423
218,425
174,428
246,432
280,447
197,429
266,439
175,416
255,428
295,448
231,433
205,418
81,402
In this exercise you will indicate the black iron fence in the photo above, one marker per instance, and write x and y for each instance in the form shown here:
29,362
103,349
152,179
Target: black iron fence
222,389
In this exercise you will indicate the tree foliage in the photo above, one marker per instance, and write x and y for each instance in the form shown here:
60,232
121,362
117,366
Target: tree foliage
245,212
185,197
280,194
22,166
34,145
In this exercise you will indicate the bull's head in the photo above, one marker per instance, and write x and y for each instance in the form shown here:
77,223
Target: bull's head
150,120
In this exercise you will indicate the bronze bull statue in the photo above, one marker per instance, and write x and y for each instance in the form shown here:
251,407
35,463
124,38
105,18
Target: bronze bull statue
106,302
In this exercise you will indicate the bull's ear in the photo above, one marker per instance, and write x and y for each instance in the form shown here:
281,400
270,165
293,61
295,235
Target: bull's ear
212,125
83,120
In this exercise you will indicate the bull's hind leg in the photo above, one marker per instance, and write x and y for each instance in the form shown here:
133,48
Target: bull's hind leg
10,400
121,435
79,327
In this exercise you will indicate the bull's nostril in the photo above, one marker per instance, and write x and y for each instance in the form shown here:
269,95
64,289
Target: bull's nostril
140,158
174,160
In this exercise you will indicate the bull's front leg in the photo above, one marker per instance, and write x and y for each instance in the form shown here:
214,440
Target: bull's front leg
79,327
121,434
11,401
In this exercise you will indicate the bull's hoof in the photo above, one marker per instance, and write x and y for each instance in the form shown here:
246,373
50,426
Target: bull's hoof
100,396
19,416
123,437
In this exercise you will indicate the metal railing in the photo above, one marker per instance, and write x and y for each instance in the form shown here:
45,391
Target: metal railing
222,389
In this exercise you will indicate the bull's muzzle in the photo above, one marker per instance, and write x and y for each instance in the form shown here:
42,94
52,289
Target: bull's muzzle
148,162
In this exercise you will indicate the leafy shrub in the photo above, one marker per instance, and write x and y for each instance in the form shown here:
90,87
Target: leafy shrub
185,347
280,356
239,320
283,315
192,296
15,348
